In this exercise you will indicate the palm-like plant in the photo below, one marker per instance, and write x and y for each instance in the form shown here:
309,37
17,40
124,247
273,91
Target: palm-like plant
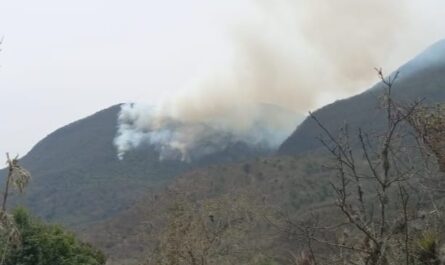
19,177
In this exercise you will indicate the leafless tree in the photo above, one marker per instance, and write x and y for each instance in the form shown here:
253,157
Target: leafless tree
208,232
375,181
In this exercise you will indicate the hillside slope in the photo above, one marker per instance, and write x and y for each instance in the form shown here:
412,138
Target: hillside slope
421,78
291,184
78,179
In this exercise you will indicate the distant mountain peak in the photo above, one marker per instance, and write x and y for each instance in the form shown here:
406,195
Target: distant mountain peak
432,56
423,77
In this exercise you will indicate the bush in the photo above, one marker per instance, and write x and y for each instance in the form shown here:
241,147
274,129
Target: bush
427,253
43,244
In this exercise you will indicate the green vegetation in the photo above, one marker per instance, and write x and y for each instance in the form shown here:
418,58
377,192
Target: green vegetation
78,179
427,250
43,244
27,241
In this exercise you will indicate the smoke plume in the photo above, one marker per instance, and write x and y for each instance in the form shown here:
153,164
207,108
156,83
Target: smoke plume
293,54
265,126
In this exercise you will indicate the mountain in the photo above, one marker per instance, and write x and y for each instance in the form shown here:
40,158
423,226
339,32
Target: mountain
293,181
421,78
121,205
77,178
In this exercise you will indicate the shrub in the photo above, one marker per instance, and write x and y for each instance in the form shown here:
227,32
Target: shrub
427,253
43,244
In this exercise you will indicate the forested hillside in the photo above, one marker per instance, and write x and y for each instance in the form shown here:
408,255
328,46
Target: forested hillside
78,178
283,194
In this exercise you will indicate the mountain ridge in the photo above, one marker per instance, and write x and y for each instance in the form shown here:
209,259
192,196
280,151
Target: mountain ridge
78,178
415,81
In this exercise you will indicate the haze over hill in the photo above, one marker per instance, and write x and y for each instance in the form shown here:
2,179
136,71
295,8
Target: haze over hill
293,180
77,173
420,78
78,177
188,137
212,159
269,51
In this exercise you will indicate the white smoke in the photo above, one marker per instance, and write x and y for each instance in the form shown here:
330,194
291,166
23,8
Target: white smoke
140,124
291,54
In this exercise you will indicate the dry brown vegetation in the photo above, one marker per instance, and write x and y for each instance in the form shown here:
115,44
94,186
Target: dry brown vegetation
271,185
375,198
384,193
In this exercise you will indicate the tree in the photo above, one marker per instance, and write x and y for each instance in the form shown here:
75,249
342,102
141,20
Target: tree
27,241
44,244
377,189
19,178
429,125
209,232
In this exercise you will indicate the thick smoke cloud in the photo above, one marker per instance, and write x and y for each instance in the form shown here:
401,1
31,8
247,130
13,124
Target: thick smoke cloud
186,140
292,54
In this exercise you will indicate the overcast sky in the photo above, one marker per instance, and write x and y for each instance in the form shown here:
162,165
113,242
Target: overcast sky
63,60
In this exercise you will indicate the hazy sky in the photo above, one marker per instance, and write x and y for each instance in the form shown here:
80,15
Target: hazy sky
63,60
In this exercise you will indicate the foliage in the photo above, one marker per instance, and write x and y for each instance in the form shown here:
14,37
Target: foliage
426,251
43,244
